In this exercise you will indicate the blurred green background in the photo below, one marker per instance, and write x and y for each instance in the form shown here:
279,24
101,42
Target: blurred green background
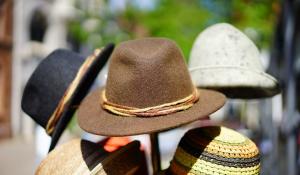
179,20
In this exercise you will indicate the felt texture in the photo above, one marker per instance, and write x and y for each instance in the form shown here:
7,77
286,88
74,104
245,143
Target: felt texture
152,71
225,59
83,157
143,73
249,93
48,84
50,80
81,91
93,119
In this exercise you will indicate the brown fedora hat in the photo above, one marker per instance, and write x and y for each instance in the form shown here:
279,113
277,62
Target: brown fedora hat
148,89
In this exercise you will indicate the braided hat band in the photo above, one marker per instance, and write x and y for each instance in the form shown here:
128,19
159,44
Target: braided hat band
68,94
215,150
163,109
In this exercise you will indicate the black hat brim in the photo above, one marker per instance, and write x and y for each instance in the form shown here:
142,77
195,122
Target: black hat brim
80,92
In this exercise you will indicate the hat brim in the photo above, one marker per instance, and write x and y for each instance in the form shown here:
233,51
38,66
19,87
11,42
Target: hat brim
91,157
236,82
80,92
96,120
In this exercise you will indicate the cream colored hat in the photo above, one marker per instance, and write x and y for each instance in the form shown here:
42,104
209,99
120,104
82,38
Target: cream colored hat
80,157
225,59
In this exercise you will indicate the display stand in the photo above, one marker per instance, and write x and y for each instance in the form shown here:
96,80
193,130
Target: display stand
155,154
290,91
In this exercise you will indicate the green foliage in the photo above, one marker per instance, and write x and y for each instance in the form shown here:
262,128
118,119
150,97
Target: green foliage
180,20
78,33
258,15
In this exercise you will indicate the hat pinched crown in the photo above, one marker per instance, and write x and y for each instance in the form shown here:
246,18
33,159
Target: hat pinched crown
225,59
147,72
215,150
224,45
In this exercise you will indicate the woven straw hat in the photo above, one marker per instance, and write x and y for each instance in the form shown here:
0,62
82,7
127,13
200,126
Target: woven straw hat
225,59
215,150
148,89
80,157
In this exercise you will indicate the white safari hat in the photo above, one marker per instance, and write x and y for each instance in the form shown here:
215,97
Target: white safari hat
225,59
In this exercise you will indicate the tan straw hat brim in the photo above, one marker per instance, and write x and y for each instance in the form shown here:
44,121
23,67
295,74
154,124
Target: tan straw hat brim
94,119
79,157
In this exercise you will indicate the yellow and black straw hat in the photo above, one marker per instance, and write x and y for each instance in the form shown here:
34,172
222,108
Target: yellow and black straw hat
215,150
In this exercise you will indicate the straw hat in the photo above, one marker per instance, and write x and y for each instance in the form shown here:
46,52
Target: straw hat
225,59
57,87
81,157
148,89
215,150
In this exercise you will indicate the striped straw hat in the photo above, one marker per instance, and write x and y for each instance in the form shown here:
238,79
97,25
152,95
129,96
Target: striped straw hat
215,150
81,157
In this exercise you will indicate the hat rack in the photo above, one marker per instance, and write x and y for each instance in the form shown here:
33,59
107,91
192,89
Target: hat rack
155,153
289,34
290,103
282,134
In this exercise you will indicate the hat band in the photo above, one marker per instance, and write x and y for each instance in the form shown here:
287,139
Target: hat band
70,90
201,164
163,109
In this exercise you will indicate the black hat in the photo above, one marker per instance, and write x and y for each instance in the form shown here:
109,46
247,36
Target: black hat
57,87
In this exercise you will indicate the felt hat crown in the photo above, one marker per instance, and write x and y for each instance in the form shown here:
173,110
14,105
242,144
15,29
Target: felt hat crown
225,59
81,157
58,85
148,87
215,150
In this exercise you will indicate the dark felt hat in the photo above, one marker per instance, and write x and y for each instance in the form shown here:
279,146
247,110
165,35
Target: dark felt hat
145,73
51,82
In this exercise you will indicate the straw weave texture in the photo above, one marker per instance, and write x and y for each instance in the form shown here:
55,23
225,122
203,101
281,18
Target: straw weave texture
215,150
